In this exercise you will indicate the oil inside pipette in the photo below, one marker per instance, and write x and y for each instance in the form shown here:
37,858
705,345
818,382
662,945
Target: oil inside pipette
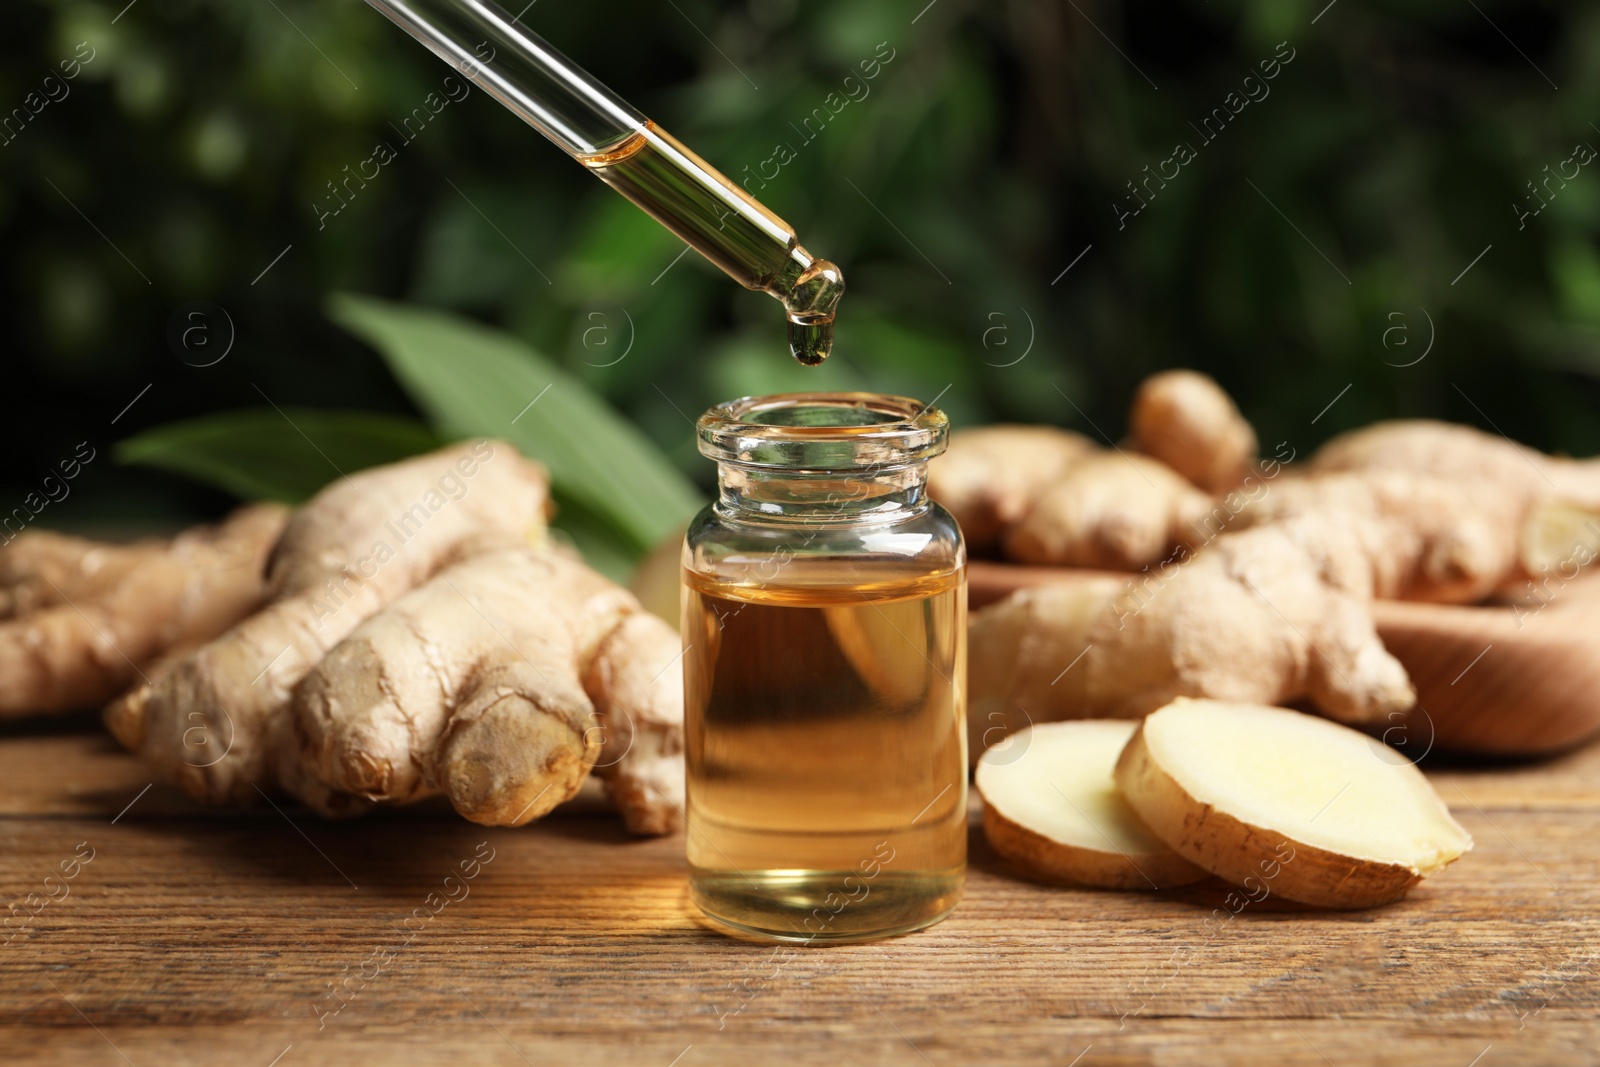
730,228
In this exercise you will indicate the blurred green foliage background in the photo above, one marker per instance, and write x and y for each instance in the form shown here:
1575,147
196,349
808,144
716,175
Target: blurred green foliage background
987,154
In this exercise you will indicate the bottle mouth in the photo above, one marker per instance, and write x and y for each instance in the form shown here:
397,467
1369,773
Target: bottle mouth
823,432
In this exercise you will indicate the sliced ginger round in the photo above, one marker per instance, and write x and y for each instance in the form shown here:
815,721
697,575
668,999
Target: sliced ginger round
1055,810
1266,797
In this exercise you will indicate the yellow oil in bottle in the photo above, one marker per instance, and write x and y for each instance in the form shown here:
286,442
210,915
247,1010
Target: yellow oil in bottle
826,755
730,228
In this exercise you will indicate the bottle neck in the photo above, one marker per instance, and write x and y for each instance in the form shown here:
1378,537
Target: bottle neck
869,495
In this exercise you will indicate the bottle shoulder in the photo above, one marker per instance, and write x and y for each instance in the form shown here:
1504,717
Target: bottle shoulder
724,549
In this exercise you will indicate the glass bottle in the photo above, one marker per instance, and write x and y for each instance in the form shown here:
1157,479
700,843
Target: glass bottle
824,621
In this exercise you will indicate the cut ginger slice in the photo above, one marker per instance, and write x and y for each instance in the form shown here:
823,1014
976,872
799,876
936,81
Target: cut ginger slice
1302,807
1051,807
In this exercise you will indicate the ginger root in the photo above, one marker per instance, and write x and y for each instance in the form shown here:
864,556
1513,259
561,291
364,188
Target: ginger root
1184,419
1266,597
1048,496
501,682
358,545
1254,618
989,476
81,620
1394,534
1549,506
1276,608
1111,509
1044,495
419,637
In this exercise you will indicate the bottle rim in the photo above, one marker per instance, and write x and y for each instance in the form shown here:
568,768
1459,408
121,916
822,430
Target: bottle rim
823,431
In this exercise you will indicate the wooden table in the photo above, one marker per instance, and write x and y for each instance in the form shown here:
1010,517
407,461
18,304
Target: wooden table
200,938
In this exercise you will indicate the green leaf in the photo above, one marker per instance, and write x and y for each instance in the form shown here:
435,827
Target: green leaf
276,454
471,380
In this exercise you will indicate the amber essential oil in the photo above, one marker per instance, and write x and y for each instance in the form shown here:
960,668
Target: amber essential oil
826,753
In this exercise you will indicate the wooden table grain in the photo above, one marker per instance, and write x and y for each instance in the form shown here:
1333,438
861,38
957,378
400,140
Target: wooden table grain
193,937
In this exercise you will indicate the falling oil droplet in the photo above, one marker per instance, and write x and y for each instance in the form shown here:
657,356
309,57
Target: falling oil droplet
810,338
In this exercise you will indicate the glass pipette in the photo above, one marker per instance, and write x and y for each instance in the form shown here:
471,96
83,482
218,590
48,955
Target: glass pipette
634,156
